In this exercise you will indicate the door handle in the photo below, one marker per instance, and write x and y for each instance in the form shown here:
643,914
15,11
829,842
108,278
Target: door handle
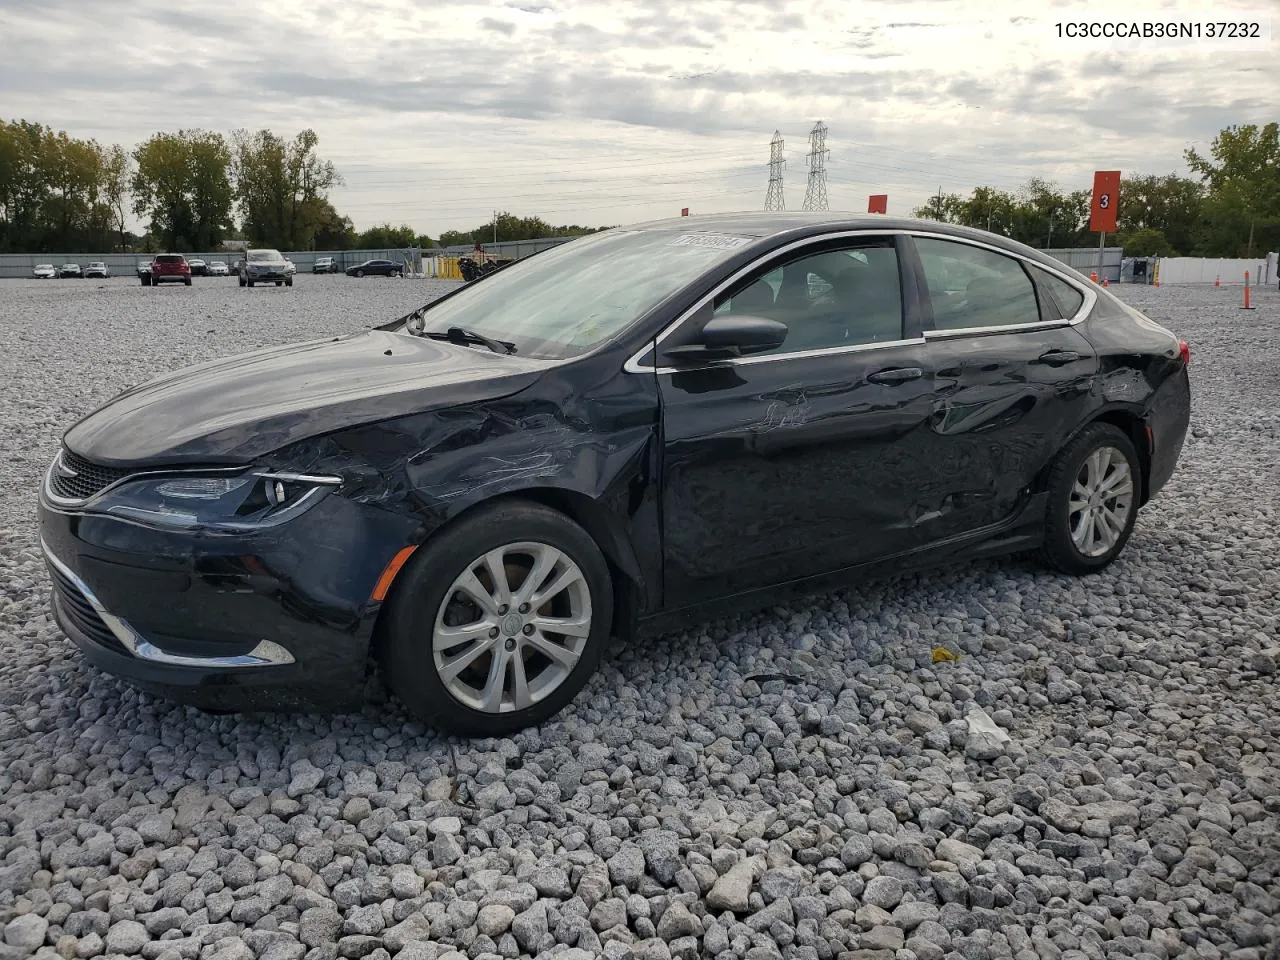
896,375
1058,358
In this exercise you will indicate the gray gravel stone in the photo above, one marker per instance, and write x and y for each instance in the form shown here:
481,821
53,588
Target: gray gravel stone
127,937
26,932
884,892
678,808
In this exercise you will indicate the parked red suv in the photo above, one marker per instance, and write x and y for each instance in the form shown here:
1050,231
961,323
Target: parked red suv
169,267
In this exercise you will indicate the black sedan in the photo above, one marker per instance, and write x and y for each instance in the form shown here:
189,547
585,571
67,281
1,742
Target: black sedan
641,427
376,268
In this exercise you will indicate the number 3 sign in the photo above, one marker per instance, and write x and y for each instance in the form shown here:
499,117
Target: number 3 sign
1106,191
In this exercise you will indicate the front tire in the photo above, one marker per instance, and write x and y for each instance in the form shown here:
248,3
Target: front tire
359,273
289,282
186,281
499,622
1094,487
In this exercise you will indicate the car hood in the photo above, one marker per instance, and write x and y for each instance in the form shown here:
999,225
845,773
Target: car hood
232,410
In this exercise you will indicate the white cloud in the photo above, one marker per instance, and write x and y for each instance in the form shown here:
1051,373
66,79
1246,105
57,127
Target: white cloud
592,112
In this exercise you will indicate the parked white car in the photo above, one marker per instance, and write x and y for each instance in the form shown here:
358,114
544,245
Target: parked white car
219,268
45,271
97,269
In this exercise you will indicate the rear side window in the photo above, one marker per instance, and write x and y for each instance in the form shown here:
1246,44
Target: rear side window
1066,299
974,287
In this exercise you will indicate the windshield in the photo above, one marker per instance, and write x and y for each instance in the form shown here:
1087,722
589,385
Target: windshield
575,296
264,256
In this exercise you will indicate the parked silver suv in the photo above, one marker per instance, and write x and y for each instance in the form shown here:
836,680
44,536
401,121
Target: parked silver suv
266,266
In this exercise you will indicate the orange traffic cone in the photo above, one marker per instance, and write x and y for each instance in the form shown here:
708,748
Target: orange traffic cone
1217,281
1246,292
1105,283
1093,275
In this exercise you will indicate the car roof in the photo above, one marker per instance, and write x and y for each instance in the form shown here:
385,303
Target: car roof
766,225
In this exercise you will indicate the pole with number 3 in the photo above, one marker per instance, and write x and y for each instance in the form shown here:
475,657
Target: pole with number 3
1102,211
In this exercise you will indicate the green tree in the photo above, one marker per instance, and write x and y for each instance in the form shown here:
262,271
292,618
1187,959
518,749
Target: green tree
332,230
280,186
1145,242
182,183
24,184
511,227
1170,205
944,208
386,237
1242,177
116,174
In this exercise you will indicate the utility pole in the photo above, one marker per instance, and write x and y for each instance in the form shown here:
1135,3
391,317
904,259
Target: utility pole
1049,244
773,197
815,194
495,226
1249,255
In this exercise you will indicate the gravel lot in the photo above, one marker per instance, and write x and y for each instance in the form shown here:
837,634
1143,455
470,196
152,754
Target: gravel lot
800,783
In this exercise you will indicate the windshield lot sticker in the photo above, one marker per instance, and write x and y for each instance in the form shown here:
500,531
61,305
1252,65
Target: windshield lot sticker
722,241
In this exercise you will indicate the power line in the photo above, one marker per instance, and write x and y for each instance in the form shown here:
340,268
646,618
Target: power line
815,194
773,198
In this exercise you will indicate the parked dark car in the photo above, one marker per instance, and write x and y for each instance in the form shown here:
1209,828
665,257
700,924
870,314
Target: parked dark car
637,428
199,268
168,268
144,272
70,270
325,265
376,268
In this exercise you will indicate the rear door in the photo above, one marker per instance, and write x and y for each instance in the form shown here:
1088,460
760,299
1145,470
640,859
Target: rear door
1013,377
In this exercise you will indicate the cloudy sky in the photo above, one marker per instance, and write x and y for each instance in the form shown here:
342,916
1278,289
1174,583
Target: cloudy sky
584,111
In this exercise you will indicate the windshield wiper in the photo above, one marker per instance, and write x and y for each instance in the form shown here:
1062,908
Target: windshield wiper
464,337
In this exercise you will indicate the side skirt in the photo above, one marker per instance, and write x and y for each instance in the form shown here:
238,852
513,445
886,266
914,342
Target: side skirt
1022,532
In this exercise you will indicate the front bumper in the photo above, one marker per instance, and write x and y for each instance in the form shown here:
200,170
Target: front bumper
274,620
268,275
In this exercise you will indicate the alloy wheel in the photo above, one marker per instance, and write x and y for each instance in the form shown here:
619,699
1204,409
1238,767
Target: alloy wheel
512,627
1101,501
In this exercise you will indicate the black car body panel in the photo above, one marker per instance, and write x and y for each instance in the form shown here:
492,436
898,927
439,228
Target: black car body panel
285,394
704,484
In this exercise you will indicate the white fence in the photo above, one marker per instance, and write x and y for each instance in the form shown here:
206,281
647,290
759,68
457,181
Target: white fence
1175,270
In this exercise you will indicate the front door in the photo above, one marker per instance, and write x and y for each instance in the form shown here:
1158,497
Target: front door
805,459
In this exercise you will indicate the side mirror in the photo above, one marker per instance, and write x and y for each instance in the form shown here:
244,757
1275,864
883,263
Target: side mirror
731,336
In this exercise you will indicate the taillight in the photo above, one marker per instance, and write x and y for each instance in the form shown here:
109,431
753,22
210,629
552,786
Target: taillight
1184,351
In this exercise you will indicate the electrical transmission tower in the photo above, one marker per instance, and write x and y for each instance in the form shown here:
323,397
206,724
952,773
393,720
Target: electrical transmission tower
773,199
815,193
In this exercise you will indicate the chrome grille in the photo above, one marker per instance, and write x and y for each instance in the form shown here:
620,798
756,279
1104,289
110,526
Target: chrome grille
79,613
81,479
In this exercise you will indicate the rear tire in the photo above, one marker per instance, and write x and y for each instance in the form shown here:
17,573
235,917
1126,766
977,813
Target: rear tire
289,282
1093,486
186,281
504,645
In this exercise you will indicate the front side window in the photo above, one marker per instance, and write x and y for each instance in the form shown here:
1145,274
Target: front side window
574,296
974,287
842,297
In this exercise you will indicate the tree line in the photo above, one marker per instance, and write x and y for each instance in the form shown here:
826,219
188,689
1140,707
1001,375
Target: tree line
194,189
1231,208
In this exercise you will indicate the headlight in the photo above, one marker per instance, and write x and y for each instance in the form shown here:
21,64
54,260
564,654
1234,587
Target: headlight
231,504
